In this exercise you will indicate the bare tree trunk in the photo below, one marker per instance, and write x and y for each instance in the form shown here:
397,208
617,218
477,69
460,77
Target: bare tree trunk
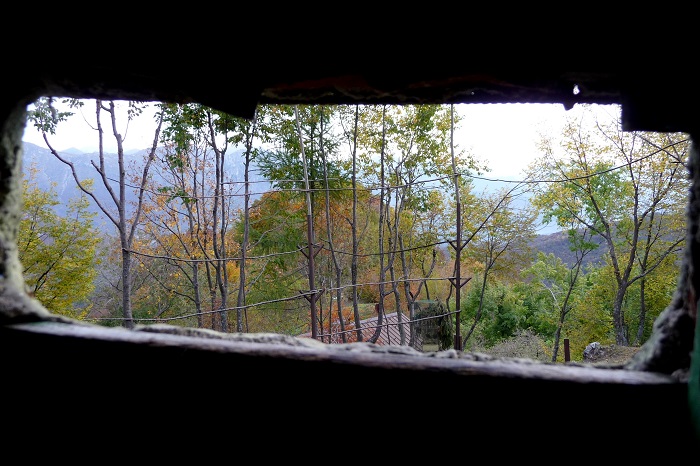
394,245
126,230
219,239
310,233
353,230
477,317
331,247
241,301
406,290
382,270
564,308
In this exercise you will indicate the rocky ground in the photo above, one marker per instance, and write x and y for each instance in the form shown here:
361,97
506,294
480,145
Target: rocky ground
528,345
609,354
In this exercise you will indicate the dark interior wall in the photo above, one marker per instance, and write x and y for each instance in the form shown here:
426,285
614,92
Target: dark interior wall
59,370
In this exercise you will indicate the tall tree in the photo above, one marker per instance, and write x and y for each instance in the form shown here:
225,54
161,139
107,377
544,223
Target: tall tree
178,224
600,184
303,137
351,131
250,132
46,118
337,273
194,127
406,154
662,232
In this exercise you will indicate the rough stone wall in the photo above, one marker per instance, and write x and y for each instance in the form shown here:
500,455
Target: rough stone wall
664,360
15,304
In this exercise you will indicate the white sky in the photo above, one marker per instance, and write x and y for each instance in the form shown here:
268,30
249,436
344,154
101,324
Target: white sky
77,132
504,134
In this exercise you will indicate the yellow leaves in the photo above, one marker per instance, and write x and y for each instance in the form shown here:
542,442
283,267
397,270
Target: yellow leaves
232,271
59,252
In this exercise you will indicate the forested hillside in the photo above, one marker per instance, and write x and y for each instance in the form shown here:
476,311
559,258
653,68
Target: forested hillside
558,244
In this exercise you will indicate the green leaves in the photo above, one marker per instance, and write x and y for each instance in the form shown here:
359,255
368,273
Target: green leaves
177,193
58,252
45,117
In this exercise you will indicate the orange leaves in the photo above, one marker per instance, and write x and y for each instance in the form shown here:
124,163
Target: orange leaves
333,326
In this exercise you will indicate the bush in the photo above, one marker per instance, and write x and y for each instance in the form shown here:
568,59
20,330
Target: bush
524,344
437,327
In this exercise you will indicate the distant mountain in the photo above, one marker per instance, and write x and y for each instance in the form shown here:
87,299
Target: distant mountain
51,170
558,244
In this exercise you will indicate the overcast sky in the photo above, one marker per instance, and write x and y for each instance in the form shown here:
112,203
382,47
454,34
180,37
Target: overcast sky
504,134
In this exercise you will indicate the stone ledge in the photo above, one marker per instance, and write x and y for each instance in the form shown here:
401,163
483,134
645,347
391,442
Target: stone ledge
266,345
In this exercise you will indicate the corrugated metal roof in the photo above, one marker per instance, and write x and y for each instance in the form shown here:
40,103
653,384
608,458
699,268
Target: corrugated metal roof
390,334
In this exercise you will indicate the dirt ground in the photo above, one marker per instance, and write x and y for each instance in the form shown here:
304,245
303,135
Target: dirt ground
528,345
612,355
